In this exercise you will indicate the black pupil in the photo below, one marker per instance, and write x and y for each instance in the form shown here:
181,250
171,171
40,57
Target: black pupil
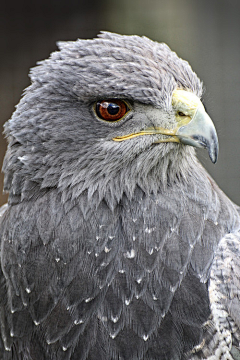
113,108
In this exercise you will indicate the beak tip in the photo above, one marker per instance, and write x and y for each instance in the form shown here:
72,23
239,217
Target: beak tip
213,154
212,146
213,158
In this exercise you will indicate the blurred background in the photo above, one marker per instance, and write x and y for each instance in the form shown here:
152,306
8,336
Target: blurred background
206,33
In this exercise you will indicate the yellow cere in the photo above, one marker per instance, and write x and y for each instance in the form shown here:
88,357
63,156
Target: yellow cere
185,104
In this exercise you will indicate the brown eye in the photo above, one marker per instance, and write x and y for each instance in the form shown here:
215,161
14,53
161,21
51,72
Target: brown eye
111,110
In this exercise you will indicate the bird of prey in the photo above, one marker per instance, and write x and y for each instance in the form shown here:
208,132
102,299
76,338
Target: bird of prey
116,244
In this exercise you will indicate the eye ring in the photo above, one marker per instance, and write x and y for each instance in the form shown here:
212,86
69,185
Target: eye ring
111,110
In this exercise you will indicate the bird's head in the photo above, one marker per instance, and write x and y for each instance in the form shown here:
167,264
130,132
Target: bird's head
115,111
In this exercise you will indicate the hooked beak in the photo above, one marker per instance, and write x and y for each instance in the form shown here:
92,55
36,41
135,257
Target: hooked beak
194,126
201,133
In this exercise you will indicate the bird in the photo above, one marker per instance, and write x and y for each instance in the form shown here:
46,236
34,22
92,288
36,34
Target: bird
116,243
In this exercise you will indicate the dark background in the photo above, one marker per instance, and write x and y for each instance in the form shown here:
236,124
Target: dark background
204,32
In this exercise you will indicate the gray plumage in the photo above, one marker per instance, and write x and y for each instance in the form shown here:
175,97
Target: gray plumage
113,249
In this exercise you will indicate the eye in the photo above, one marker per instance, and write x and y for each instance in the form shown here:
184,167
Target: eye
111,110
180,113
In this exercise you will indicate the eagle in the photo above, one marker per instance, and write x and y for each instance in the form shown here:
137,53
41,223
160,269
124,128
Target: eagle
116,244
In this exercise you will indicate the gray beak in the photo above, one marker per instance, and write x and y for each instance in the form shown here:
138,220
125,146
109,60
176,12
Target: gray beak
201,133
